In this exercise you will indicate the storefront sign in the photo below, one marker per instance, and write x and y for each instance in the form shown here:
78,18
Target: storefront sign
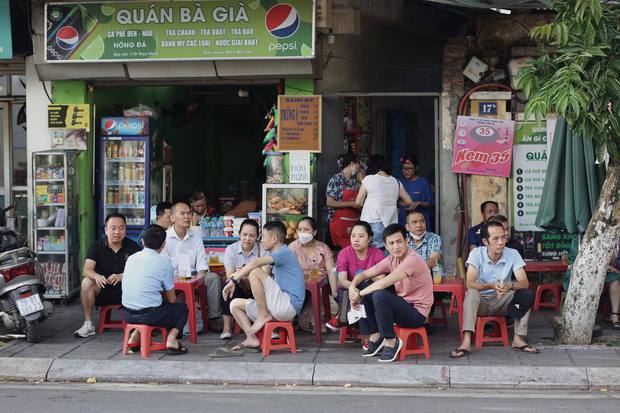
299,123
180,30
529,168
299,167
68,116
553,245
483,146
69,139
6,42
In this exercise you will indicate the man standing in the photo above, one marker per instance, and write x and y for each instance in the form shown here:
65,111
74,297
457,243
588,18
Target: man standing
147,275
492,293
103,270
164,214
279,298
186,252
487,209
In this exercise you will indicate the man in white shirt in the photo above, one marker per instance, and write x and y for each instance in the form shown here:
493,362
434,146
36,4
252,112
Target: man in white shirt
185,250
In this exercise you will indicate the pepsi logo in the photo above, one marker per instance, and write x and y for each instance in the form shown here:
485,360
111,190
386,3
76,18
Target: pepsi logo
109,125
67,38
282,20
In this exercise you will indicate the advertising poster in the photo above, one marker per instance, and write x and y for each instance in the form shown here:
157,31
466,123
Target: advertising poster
180,30
299,167
69,126
299,123
483,146
529,167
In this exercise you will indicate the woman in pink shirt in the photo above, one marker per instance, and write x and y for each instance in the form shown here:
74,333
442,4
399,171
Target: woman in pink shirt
409,307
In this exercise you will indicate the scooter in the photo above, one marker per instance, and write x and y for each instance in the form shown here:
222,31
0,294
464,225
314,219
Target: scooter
21,286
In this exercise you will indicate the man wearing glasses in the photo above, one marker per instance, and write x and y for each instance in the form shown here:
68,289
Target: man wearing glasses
418,188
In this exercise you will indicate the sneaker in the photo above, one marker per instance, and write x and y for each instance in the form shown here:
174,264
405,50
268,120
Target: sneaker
225,336
87,330
390,353
373,348
333,324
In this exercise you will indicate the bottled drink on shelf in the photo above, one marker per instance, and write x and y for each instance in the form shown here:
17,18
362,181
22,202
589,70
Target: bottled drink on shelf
108,150
121,173
129,197
130,152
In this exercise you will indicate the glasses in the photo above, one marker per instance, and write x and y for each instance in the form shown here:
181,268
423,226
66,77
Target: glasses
408,169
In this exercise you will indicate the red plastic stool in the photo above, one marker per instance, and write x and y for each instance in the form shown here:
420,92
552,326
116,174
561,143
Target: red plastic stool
502,337
555,290
409,336
286,340
351,333
443,321
146,345
105,319
236,328
453,307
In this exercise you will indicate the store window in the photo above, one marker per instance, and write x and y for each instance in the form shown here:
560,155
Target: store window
18,145
3,137
4,85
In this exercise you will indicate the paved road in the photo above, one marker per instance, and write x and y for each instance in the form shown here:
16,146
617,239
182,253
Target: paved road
80,398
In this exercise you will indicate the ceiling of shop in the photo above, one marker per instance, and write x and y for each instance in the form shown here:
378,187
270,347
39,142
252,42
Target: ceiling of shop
498,4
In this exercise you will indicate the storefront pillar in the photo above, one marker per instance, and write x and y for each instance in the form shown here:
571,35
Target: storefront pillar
77,91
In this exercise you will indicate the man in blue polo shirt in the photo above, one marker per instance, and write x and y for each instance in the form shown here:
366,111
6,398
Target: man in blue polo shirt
491,291
147,276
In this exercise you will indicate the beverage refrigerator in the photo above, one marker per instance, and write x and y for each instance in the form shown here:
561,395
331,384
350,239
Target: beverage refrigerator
124,172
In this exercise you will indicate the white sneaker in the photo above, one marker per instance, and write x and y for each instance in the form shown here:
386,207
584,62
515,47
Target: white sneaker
225,336
87,330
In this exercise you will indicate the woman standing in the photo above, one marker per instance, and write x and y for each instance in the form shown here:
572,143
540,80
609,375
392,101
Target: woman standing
236,256
418,188
342,190
378,198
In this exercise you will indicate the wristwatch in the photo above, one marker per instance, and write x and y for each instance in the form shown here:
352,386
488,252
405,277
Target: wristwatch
234,281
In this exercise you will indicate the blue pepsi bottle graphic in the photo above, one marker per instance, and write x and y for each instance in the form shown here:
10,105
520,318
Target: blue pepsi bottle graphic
67,28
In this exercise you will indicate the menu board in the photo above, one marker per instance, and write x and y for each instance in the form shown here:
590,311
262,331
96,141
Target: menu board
299,123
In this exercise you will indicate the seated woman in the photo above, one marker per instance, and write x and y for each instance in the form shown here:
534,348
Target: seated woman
355,258
236,256
313,254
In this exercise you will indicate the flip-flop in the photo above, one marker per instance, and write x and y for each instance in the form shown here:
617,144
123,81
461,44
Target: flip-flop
133,348
524,348
460,352
181,349
245,349
222,352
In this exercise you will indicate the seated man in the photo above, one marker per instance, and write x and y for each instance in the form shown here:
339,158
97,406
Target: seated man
279,298
103,270
409,307
147,275
184,247
510,243
423,242
164,214
492,293
487,209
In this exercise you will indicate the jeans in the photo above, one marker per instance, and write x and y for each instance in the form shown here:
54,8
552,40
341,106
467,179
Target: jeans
385,308
166,315
377,238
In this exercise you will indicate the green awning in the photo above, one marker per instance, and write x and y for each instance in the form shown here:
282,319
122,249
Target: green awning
572,183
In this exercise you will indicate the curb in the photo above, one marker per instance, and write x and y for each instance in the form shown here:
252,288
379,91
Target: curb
272,374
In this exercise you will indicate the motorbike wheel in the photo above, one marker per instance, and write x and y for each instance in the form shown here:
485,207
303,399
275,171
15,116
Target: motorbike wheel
33,331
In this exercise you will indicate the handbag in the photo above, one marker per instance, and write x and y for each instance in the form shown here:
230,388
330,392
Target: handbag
344,307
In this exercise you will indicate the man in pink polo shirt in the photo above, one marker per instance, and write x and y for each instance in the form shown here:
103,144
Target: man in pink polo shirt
408,275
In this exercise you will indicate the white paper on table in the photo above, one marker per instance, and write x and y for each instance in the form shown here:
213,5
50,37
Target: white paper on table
183,265
355,314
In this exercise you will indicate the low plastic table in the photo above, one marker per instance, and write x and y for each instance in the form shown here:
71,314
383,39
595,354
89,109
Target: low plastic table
188,287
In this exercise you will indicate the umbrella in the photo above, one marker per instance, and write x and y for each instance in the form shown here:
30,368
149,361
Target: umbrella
572,183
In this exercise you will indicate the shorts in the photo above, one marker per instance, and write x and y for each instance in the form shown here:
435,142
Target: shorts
109,295
278,303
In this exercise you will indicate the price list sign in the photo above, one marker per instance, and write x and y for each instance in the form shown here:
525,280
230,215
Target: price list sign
299,123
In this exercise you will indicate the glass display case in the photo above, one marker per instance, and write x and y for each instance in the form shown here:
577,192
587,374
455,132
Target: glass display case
288,203
56,226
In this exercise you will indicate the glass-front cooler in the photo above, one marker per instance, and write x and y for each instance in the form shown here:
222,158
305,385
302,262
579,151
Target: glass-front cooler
124,172
288,203
56,228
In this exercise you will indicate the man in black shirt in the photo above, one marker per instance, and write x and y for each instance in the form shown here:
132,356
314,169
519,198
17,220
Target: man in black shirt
103,270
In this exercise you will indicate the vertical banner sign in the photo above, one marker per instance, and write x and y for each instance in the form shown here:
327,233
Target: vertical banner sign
299,167
483,146
529,167
299,123
179,30
6,42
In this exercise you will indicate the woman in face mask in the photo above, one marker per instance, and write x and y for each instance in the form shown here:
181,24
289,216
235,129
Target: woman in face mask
313,254
341,192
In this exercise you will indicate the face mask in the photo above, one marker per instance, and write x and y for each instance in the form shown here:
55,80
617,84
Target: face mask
304,237
417,237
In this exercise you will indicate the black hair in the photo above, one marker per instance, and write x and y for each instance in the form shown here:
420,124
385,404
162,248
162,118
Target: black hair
393,229
311,220
484,229
414,211
197,195
153,236
411,158
277,228
499,218
161,208
179,203
345,160
366,227
377,163
251,223
484,205
115,215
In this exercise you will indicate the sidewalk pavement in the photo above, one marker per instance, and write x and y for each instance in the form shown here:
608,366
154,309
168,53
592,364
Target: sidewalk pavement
61,357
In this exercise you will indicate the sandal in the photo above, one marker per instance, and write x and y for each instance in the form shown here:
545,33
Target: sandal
181,349
459,352
527,348
615,325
